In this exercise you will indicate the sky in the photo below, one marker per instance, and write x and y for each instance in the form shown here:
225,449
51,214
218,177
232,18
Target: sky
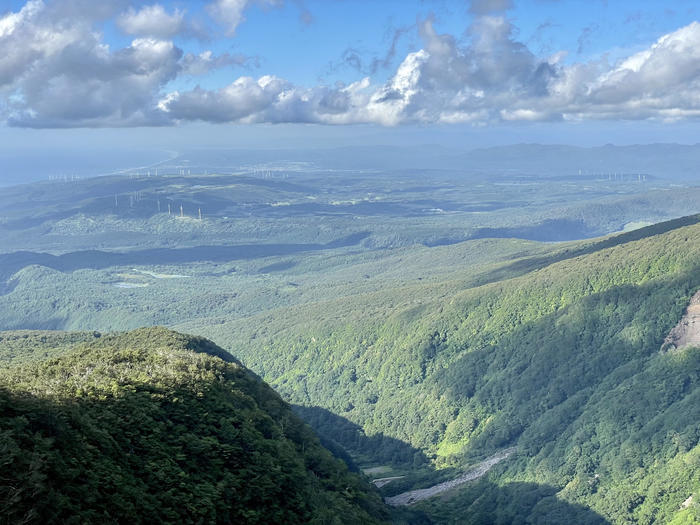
306,73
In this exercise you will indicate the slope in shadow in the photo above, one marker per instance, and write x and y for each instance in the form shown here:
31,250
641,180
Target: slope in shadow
550,230
345,438
96,259
522,503
476,502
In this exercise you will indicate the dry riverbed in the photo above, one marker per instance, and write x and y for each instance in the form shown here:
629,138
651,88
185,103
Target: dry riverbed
414,496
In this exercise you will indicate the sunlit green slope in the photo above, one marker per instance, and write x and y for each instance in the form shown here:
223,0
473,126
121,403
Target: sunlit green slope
153,426
563,361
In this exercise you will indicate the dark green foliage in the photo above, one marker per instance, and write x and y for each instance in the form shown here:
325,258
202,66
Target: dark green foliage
334,430
563,361
413,356
511,504
20,346
149,427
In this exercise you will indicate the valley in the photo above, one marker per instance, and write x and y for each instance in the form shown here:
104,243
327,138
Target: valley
414,496
311,262
422,322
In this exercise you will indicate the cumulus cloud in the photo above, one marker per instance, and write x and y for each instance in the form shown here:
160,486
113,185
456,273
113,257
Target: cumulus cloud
84,84
492,78
59,72
270,99
231,13
238,101
662,81
151,20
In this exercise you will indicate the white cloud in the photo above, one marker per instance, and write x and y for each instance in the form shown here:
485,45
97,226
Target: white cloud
523,114
239,100
56,70
388,104
10,22
661,82
269,99
151,20
86,84
228,13
494,78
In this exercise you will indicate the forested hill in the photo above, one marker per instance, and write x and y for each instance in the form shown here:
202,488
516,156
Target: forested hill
153,426
560,355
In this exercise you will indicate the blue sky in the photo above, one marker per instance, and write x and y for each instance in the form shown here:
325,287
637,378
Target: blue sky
279,72
547,26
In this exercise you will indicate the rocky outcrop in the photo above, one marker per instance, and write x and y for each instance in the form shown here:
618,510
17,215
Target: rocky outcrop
687,331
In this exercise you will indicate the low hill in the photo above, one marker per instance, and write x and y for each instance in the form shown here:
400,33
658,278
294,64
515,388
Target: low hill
153,426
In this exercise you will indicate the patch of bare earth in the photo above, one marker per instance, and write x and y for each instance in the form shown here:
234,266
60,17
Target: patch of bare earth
687,331
379,483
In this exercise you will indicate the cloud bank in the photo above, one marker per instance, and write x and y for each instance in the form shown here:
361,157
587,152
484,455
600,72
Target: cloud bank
57,71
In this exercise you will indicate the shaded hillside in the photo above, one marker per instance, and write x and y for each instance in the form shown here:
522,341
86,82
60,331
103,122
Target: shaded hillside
11,263
153,426
563,361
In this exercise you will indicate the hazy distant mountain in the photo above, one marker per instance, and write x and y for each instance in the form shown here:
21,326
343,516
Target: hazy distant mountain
667,160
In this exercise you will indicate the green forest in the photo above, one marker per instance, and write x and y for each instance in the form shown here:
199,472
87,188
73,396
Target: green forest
564,361
349,262
152,426
417,331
